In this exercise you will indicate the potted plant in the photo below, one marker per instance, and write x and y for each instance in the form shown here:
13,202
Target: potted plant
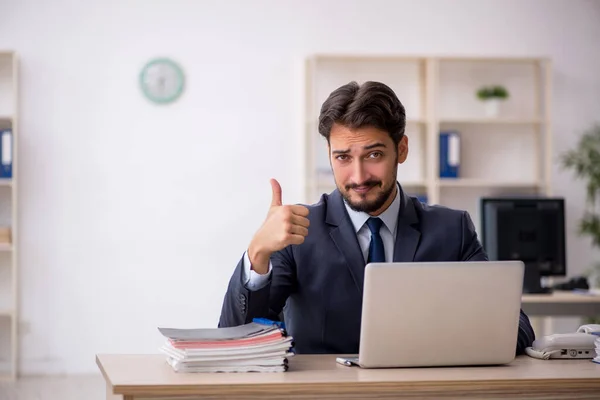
491,97
584,161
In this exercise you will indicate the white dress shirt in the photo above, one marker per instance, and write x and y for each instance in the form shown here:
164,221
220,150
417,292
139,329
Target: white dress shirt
254,281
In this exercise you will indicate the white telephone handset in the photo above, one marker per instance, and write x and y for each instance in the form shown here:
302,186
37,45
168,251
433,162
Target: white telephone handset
590,328
567,345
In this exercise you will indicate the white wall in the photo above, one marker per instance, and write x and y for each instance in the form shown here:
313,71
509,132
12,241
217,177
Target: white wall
134,216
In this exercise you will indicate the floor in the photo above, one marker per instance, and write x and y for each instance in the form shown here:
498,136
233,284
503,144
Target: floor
88,387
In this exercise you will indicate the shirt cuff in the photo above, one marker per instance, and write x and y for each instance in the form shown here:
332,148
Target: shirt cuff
252,280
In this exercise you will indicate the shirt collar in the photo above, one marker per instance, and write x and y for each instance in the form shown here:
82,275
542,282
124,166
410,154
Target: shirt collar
389,216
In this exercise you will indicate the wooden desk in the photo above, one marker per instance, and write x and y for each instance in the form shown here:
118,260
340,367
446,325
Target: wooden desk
132,377
561,303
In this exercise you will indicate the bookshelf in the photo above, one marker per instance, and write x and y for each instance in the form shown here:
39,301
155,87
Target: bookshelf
8,216
507,154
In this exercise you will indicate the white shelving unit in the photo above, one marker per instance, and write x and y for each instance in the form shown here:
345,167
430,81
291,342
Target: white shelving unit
506,155
8,219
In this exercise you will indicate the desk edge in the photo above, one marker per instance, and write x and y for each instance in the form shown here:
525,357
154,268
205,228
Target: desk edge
104,374
337,387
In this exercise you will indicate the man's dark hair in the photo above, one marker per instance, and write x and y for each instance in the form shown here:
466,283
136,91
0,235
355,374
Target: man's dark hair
370,104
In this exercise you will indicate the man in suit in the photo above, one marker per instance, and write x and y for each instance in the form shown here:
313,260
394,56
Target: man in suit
311,259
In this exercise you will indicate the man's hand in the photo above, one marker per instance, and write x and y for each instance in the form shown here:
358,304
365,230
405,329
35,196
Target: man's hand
283,226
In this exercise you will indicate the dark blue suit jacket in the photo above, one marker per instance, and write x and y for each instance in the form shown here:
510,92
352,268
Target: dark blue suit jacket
320,282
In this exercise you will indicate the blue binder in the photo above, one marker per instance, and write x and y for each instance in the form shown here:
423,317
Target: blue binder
6,154
449,154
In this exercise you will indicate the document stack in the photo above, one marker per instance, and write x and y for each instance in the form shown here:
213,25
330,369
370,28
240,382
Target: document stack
252,347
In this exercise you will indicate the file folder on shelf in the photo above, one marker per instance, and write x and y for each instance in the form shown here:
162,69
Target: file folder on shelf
6,155
449,154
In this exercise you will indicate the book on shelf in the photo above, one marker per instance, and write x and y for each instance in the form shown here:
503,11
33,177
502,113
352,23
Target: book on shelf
449,154
253,347
6,153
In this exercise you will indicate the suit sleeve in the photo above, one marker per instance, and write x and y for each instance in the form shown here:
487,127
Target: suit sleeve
241,305
526,334
472,250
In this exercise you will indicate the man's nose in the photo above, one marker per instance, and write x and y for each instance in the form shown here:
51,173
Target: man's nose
359,173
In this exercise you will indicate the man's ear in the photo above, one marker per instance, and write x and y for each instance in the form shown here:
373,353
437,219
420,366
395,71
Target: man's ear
402,149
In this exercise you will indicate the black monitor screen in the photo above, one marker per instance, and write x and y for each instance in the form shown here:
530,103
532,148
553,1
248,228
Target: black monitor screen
528,229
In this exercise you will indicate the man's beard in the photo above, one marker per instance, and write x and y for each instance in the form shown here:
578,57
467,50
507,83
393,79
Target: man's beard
373,205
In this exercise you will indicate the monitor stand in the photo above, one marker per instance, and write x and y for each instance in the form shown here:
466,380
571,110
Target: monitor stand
532,280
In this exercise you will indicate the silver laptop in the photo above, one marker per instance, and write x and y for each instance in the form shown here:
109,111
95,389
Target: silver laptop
440,314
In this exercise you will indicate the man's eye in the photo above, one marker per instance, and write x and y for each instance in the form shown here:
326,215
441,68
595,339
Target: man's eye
375,155
342,157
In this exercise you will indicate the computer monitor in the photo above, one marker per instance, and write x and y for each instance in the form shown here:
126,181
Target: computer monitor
529,229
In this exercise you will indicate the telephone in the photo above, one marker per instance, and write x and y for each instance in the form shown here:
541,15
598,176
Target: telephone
567,345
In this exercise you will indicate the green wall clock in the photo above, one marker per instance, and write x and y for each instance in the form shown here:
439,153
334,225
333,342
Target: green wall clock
162,80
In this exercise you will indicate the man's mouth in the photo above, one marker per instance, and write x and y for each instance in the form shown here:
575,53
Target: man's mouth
362,189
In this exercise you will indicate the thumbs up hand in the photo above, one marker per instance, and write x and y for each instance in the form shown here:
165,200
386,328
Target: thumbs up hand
276,196
283,226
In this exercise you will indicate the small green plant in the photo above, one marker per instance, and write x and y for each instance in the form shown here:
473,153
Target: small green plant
492,92
584,161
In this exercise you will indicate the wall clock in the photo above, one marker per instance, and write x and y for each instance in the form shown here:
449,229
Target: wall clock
162,80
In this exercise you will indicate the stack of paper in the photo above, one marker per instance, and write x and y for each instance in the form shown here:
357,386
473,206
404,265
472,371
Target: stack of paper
247,348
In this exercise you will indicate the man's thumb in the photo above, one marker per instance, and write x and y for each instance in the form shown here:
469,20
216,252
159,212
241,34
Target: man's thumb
276,199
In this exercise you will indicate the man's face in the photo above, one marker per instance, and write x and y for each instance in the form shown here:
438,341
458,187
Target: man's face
364,163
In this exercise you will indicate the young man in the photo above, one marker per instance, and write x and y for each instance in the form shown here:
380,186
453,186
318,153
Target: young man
312,258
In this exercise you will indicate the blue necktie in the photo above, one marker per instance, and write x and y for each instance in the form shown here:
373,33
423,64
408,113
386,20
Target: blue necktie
376,250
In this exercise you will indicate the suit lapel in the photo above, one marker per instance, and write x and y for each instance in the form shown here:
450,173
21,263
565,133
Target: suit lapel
344,237
407,235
